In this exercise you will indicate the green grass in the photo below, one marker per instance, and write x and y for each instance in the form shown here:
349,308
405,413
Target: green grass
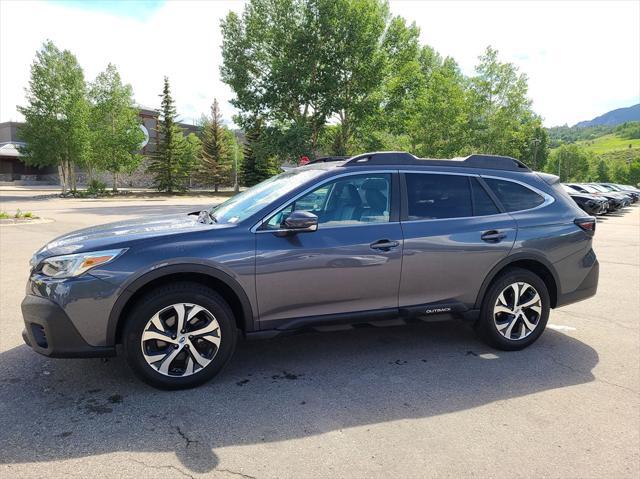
608,143
20,215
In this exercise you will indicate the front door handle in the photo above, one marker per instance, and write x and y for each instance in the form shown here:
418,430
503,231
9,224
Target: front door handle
493,236
384,245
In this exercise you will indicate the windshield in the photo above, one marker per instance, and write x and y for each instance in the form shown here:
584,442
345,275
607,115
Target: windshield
589,189
599,188
569,189
257,197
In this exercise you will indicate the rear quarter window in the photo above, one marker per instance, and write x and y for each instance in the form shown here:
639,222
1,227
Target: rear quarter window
513,196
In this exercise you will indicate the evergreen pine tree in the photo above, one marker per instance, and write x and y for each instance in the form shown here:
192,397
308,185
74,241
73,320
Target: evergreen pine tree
168,164
215,156
258,164
249,174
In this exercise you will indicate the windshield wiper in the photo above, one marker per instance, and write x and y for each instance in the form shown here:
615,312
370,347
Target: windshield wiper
206,217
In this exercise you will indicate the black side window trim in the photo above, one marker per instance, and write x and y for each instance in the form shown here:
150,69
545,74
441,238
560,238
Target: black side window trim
491,194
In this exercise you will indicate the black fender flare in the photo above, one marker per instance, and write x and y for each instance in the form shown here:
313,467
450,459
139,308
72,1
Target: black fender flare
137,283
512,258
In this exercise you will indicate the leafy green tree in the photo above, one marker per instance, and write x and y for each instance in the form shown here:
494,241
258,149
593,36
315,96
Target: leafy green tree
633,175
297,63
56,129
352,45
534,144
115,126
443,117
171,162
619,172
215,156
499,106
570,162
601,171
404,83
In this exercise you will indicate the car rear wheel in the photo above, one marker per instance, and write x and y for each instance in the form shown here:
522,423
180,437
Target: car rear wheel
515,310
179,336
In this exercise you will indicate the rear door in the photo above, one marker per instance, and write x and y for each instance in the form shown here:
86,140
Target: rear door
351,263
454,234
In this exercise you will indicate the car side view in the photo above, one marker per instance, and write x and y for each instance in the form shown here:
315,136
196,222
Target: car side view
373,237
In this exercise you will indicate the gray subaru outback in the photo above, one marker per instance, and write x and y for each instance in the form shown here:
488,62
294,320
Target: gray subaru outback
359,240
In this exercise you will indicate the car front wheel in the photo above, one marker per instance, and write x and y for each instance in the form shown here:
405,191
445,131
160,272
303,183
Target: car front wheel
179,336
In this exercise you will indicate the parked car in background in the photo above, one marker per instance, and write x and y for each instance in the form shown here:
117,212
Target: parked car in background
605,189
374,237
591,204
616,201
635,195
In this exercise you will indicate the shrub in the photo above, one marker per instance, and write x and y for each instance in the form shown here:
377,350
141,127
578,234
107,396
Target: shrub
96,187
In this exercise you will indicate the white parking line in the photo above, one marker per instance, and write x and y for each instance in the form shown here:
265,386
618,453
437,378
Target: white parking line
560,327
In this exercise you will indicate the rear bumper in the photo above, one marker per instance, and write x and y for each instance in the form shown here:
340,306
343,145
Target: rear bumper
49,331
587,288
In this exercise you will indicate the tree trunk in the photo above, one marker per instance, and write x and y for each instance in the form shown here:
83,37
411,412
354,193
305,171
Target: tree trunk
215,188
115,181
63,177
72,176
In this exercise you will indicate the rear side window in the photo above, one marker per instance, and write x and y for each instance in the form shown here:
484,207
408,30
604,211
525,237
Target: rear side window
513,196
437,196
483,205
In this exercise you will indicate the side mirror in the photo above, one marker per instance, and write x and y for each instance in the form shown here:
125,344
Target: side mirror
301,222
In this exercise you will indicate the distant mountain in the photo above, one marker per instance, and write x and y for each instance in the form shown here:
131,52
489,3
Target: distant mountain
614,117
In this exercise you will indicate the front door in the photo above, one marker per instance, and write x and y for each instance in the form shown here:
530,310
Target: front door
351,263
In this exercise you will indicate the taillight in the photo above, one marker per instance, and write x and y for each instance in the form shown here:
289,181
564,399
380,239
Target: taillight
587,224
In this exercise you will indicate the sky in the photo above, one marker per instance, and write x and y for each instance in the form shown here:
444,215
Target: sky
582,58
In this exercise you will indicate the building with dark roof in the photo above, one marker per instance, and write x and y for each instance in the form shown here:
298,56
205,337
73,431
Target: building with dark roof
13,168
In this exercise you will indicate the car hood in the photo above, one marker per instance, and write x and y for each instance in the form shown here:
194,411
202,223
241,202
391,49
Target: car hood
119,233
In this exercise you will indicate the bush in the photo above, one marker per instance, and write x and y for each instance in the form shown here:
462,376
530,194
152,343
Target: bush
96,187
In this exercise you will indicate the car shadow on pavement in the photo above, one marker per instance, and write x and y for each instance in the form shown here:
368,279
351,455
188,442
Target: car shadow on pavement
276,390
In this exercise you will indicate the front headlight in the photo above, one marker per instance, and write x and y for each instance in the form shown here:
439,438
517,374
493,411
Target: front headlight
71,265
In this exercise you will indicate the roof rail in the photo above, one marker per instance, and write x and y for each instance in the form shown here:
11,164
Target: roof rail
392,158
325,159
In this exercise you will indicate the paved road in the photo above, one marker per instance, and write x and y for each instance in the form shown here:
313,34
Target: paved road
416,401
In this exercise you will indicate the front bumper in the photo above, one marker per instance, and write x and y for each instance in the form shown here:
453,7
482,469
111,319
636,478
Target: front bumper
49,331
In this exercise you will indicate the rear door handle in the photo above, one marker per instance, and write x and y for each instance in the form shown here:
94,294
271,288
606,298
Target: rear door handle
384,245
493,236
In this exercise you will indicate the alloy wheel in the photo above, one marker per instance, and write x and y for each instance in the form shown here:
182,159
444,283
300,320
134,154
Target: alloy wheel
181,339
517,311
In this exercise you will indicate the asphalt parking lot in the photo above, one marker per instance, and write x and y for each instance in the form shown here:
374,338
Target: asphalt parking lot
426,400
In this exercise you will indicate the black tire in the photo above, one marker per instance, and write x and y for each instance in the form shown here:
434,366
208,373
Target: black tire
485,326
162,297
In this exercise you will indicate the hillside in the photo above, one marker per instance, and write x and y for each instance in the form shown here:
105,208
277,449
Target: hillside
597,153
608,143
613,117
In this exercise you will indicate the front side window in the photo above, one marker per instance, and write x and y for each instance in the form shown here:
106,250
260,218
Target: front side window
437,196
513,196
353,199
